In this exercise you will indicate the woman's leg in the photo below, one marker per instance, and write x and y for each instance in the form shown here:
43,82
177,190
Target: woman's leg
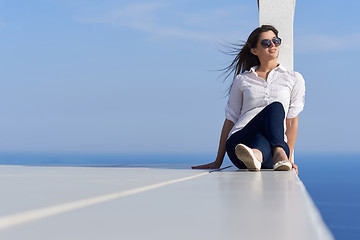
235,139
262,144
274,126
270,123
245,136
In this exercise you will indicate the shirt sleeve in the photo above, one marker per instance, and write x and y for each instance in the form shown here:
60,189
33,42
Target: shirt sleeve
234,104
297,98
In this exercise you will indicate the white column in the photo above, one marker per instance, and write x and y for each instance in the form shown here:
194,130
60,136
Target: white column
280,14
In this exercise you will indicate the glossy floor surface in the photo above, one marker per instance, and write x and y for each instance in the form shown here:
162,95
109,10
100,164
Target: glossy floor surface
154,203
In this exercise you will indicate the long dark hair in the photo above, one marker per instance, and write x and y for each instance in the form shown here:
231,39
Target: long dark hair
244,59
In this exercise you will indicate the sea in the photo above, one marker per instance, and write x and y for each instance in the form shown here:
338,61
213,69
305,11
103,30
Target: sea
332,179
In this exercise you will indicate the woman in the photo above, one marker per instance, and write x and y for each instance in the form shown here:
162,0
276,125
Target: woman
262,111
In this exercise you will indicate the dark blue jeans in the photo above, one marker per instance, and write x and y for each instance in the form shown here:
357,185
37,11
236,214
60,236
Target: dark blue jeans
264,132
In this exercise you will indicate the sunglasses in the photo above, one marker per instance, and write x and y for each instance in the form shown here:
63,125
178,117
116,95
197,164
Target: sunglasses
266,43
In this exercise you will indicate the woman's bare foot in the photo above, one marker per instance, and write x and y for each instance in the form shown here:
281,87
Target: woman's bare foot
247,156
258,154
279,155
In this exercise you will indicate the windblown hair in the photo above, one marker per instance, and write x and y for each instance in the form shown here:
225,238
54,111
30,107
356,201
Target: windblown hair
244,59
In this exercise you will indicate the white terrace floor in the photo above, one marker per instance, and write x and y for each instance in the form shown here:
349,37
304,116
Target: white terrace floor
154,203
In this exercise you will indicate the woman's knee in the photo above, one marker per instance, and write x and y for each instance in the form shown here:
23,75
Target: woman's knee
276,107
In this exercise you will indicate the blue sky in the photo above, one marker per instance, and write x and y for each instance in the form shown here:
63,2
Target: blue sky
138,76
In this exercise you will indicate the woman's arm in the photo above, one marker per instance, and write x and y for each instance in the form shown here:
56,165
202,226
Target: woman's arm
228,125
291,132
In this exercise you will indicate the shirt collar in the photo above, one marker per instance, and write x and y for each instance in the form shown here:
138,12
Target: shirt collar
253,69
282,68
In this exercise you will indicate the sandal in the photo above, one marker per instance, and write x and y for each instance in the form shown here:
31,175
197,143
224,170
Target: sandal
283,165
246,155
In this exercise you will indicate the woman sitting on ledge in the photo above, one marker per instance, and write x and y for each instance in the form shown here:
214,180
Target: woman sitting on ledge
263,94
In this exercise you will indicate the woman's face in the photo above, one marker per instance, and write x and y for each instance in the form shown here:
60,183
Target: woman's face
266,54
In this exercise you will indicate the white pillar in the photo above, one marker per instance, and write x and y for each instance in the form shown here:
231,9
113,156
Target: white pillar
280,14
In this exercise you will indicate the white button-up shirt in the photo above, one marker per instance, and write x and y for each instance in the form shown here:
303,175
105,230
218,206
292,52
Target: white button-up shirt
250,94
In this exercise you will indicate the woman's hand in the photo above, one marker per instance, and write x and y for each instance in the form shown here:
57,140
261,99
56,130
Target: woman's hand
213,165
294,166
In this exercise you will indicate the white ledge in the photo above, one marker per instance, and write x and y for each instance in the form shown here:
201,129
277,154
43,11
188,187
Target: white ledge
129,203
